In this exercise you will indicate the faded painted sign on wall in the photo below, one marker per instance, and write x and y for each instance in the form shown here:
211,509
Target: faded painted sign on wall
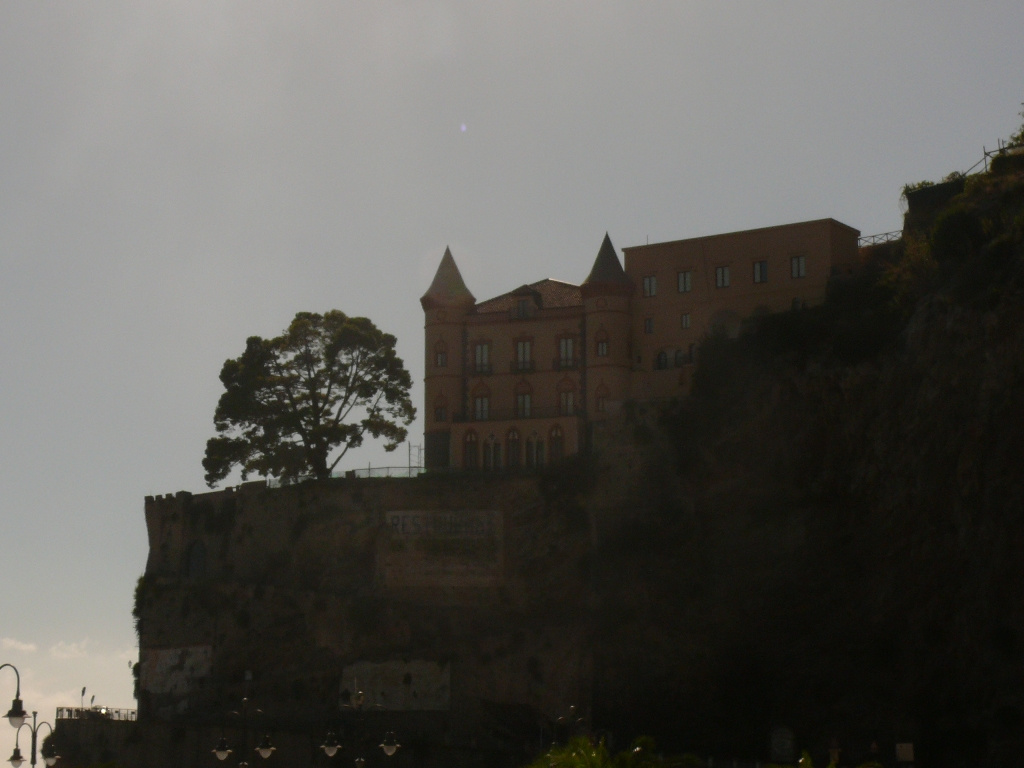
446,549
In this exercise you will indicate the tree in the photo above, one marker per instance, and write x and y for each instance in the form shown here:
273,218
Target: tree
291,401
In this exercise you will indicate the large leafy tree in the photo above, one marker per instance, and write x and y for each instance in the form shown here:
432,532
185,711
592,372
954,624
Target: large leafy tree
295,404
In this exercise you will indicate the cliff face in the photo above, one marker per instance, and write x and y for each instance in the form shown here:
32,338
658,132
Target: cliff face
837,545
826,536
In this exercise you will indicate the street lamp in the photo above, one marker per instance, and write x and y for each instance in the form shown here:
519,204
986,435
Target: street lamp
16,716
331,745
265,749
49,757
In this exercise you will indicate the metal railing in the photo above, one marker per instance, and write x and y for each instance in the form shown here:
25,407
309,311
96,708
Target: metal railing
884,237
382,472
96,713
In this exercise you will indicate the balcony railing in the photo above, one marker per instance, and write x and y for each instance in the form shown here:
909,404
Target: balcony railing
95,713
521,366
565,363
482,369
511,414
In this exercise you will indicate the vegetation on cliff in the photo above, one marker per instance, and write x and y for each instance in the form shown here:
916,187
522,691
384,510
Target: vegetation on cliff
827,533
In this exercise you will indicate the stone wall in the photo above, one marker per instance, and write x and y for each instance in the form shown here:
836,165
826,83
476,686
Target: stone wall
456,604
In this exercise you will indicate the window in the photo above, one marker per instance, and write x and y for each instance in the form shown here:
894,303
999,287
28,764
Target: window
483,357
661,361
523,405
481,407
680,358
524,355
601,339
534,451
470,454
566,403
601,399
685,280
522,308
440,410
565,352
556,442
721,277
760,271
684,321
798,266
650,285
512,448
441,354
648,325
492,453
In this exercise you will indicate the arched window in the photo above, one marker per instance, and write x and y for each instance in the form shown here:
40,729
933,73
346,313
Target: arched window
512,455
441,354
601,343
470,454
557,443
534,451
492,453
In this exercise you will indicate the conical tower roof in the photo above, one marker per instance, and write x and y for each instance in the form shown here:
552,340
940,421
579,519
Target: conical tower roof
607,271
448,287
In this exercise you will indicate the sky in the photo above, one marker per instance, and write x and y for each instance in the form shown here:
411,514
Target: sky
175,177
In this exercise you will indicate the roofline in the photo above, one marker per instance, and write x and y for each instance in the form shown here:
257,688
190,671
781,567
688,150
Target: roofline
528,285
742,232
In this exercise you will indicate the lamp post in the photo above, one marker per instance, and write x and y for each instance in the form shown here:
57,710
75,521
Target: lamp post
16,716
264,749
331,745
49,757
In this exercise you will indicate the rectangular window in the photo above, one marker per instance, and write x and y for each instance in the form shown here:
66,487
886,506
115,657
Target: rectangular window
566,403
685,281
483,358
602,348
600,404
721,277
685,321
648,325
481,408
442,359
650,285
565,349
523,406
798,266
760,271
524,355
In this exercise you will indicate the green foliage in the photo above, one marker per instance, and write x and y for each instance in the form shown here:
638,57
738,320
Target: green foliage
137,605
291,401
910,188
956,234
581,752
1018,137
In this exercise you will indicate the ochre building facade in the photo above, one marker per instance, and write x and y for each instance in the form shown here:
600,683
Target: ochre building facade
517,380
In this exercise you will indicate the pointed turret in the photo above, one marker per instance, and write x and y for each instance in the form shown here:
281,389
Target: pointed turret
607,272
448,287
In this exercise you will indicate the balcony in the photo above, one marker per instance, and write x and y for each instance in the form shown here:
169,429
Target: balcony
510,414
565,363
481,369
521,366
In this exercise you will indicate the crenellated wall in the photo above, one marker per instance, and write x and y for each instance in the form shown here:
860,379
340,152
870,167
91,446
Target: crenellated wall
449,601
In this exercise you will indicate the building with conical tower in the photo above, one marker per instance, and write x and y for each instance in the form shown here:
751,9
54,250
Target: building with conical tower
518,380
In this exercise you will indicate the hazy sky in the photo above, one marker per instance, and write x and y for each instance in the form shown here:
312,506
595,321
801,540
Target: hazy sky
175,177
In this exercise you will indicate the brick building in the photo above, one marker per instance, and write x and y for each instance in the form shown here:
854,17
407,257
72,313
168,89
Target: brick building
516,380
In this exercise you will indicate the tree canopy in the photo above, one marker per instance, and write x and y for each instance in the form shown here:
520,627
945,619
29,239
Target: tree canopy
295,404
